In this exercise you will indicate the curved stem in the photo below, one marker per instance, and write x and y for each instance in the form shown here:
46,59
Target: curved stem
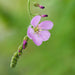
29,8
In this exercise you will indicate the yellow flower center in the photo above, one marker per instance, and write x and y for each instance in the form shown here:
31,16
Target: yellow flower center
36,29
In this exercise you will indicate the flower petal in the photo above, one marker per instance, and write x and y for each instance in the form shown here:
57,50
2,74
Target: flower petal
46,25
44,35
30,32
35,20
36,39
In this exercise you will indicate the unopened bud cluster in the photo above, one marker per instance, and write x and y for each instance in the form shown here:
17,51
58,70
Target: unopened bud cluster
41,7
17,54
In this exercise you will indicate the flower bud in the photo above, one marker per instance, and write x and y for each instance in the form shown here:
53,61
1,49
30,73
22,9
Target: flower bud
26,38
44,15
12,65
14,59
16,55
38,5
19,52
20,47
24,44
42,7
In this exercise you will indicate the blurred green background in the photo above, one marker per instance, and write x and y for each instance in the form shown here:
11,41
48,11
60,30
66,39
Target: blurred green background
54,57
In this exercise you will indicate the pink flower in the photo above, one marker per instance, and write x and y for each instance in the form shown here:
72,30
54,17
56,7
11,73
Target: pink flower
39,32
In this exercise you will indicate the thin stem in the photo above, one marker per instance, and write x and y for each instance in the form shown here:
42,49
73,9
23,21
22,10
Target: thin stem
29,8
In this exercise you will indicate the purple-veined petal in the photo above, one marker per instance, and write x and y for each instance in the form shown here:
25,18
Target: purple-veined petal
30,32
37,39
46,25
35,21
44,35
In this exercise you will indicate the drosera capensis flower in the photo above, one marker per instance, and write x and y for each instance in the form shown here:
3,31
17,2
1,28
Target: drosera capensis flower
39,32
